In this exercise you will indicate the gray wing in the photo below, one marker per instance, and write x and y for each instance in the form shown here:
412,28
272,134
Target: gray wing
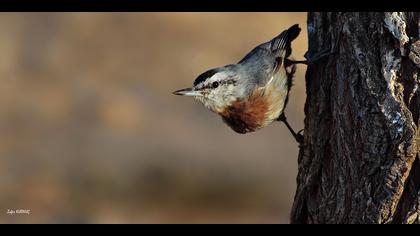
262,62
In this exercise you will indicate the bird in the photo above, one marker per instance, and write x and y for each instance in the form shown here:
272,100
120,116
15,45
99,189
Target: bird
253,93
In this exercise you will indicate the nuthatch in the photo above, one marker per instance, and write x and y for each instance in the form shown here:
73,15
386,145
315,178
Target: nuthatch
253,93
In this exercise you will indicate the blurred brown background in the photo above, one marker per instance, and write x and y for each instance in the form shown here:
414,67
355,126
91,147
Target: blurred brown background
91,133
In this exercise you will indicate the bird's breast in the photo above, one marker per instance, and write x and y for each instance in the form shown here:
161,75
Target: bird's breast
258,110
248,115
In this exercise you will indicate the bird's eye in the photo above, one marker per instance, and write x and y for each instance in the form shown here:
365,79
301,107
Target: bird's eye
215,84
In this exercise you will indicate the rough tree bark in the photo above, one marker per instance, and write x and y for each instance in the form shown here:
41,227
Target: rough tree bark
359,162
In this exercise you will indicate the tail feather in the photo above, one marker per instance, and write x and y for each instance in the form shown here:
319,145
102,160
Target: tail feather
282,41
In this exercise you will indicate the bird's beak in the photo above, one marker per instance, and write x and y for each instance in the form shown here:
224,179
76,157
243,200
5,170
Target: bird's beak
189,92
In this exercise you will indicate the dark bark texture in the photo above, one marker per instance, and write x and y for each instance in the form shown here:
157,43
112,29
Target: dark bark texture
359,162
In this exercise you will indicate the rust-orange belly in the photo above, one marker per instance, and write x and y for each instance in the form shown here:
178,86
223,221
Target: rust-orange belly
247,115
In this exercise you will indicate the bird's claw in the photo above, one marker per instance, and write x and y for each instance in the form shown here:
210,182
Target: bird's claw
299,136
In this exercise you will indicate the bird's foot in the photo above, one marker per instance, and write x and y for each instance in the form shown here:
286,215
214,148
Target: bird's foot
299,136
310,61
314,57
288,62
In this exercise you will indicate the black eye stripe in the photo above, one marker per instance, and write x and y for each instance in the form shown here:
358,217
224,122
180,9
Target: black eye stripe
204,76
213,84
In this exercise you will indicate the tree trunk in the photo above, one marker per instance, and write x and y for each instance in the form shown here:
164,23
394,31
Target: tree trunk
359,162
